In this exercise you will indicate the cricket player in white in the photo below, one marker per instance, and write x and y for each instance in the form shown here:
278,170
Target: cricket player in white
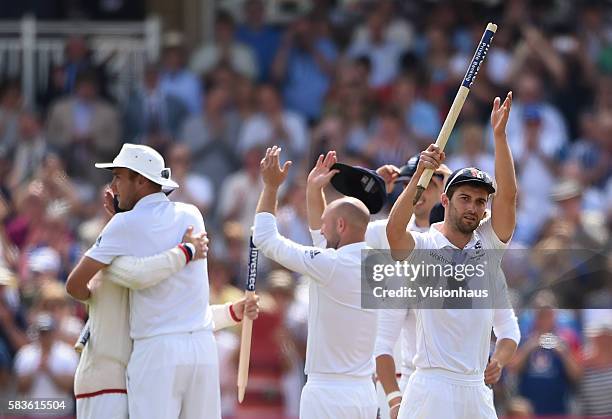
173,367
399,324
453,344
341,335
99,382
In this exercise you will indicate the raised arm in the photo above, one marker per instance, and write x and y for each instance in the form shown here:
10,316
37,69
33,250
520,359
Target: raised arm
503,207
318,178
400,239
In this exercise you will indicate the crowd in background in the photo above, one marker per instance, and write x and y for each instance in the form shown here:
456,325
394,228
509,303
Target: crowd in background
372,80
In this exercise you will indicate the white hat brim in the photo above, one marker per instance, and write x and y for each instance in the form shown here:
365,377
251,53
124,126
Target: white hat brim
166,184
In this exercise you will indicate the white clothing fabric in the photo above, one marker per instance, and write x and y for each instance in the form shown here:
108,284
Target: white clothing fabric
331,397
175,376
103,406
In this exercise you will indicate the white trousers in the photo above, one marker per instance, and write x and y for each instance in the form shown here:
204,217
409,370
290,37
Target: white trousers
104,406
330,396
174,377
383,406
435,393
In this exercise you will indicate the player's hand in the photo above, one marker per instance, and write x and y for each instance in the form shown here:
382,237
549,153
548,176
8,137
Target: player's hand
500,113
109,203
320,175
247,306
389,173
200,242
271,172
493,371
431,158
393,411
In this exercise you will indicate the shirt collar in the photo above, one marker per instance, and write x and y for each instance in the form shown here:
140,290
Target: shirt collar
441,240
152,198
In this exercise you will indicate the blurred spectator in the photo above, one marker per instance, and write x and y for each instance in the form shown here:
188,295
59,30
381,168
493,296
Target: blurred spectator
384,54
83,128
79,60
292,336
29,151
519,408
176,79
591,153
262,38
390,143
274,125
149,110
546,359
472,151
240,191
194,188
212,137
10,109
45,368
30,206
395,30
291,215
53,300
225,51
597,365
422,118
221,277
536,135
13,324
305,63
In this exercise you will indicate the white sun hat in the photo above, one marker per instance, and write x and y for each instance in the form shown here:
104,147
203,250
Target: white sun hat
145,161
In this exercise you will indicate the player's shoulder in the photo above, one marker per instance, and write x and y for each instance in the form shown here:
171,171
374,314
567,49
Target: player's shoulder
189,212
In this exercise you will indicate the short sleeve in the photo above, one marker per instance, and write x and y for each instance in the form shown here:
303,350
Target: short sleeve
113,241
376,235
489,238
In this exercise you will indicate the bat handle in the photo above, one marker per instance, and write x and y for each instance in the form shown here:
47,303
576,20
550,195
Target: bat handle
422,185
417,196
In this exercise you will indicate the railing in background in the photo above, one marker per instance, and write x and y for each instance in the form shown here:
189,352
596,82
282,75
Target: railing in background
30,48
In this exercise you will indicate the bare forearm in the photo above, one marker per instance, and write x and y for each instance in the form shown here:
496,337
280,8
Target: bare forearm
315,205
267,200
504,170
400,214
385,370
504,351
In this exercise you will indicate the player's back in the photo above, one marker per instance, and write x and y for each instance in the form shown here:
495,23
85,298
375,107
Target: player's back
180,303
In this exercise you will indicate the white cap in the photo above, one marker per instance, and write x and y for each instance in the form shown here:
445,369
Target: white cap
145,161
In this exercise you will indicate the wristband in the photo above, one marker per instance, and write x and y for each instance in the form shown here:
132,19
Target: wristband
394,406
233,314
189,251
393,395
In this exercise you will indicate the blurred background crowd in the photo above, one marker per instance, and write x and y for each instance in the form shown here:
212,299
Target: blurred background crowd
372,80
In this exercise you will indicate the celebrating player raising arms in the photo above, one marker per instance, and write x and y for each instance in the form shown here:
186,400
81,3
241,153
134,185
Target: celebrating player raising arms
453,344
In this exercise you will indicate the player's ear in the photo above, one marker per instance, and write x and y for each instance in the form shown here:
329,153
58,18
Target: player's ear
444,200
340,224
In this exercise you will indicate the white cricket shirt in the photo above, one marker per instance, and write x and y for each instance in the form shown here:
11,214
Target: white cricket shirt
155,224
341,334
394,324
458,340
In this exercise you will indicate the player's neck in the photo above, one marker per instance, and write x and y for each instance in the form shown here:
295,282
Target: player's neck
457,238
